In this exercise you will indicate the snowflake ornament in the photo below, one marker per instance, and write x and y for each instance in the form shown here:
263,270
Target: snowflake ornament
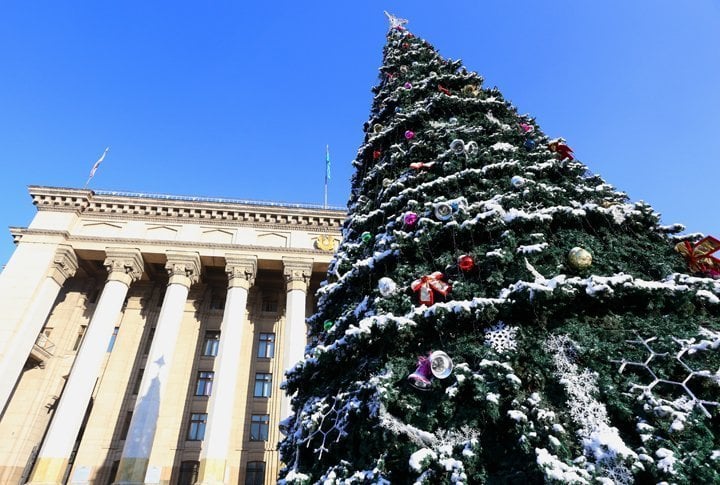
501,337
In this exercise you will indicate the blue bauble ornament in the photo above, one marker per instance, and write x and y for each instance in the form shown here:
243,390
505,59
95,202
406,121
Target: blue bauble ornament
529,144
398,109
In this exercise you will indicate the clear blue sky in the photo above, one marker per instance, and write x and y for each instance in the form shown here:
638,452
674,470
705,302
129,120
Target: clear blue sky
234,99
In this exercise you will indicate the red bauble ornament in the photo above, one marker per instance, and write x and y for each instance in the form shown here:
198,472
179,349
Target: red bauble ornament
465,262
376,154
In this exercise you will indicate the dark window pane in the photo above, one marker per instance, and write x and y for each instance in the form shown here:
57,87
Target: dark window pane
266,346
263,384
204,383
112,339
188,472
255,473
196,431
126,425
211,343
259,427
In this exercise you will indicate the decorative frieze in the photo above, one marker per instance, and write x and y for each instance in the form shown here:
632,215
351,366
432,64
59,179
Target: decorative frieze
131,206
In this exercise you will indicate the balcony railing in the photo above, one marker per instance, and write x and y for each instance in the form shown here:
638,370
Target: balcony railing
43,347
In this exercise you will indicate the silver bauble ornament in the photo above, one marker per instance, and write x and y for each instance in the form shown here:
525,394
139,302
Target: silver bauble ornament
457,146
517,181
443,211
386,286
441,365
580,258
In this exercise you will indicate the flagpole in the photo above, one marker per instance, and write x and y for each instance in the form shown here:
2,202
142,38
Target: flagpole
327,171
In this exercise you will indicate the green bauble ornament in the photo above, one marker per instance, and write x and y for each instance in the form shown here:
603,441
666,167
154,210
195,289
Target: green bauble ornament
366,237
580,258
328,325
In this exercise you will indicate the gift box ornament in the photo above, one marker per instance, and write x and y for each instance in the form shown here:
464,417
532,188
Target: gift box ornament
428,285
700,257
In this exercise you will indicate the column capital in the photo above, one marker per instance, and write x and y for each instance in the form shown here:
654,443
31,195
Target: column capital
124,264
297,273
241,270
65,264
183,267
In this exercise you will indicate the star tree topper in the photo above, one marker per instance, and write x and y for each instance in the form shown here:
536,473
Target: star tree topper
396,22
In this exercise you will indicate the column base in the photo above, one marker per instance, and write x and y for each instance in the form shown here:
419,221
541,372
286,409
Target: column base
48,471
212,471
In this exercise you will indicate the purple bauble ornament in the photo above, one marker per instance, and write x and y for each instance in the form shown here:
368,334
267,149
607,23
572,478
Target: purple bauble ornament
409,135
407,86
410,219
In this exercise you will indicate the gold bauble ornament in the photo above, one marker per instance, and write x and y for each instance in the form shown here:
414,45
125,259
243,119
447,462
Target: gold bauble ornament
377,128
470,90
580,258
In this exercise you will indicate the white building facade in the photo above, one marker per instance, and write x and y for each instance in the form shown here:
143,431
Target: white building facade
143,338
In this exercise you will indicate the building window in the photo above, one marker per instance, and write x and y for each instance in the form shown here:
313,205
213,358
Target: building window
148,341
263,383
255,473
93,297
266,346
269,305
161,296
113,337
138,381
259,427
126,425
204,383
211,344
217,298
113,472
79,338
188,472
196,432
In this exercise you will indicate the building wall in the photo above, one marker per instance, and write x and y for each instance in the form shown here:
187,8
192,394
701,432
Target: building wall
90,224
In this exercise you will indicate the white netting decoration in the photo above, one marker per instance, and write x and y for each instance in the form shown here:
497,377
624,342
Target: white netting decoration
687,347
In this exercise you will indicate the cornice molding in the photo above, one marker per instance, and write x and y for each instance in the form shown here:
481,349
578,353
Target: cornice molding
87,202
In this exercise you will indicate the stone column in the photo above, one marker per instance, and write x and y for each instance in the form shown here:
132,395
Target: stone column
184,270
297,276
241,272
124,266
64,266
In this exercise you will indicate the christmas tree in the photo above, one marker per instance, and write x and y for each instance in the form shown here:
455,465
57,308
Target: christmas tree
496,313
